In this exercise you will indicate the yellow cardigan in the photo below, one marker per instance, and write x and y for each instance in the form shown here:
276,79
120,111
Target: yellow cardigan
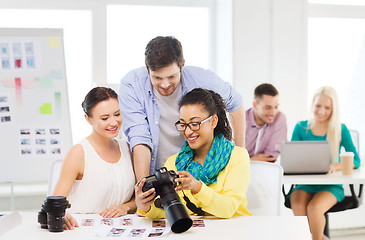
224,198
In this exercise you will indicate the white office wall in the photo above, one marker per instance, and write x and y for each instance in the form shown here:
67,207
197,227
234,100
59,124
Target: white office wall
224,40
269,46
290,58
251,46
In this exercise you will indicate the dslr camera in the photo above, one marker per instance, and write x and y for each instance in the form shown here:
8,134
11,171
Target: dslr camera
164,184
52,214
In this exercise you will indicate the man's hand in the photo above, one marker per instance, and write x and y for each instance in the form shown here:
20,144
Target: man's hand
263,157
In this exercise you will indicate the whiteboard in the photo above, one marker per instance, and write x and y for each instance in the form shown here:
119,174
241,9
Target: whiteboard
35,127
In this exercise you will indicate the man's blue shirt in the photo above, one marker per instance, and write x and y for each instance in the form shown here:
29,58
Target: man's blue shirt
140,111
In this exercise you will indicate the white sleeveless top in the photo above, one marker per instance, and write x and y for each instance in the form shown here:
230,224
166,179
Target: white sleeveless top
103,184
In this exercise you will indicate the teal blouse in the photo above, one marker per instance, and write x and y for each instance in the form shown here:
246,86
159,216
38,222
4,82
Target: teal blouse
303,133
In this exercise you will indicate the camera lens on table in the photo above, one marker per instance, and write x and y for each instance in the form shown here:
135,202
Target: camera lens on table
52,214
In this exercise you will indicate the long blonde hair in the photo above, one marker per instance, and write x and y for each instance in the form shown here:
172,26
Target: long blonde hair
334,124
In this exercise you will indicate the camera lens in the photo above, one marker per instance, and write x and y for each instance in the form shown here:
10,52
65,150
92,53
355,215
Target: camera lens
178,217
42,218
55,207
176,213
56,222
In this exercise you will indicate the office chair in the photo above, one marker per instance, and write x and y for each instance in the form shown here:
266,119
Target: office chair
54,175
350,202
264,191
355,136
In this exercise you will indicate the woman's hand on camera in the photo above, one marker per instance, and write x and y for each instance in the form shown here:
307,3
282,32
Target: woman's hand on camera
144,199
115,211
187,182
70,222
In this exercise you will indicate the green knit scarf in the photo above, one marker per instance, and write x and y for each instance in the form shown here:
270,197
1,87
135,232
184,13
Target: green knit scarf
217,158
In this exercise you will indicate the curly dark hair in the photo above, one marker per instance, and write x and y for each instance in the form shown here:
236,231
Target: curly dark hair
214,104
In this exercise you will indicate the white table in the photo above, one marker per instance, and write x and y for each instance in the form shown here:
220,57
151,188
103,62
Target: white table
357,177
247,227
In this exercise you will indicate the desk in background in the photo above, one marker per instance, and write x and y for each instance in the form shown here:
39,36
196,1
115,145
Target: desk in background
357,177
246,227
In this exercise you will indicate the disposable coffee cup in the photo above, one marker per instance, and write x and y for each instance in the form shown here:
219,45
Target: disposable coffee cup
347,160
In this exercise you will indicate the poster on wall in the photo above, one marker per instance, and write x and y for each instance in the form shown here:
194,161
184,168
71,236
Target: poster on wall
34,110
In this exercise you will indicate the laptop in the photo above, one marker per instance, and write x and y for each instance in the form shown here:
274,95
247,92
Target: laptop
305,157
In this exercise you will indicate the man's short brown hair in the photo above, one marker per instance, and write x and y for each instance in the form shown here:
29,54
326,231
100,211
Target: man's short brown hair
163,51
265,89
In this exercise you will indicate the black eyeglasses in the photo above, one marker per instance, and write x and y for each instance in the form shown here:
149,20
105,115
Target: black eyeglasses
194,126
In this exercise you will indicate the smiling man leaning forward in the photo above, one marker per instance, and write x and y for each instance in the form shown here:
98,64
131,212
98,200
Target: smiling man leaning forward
149,97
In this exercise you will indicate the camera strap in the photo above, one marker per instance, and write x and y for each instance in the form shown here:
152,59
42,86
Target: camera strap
192,207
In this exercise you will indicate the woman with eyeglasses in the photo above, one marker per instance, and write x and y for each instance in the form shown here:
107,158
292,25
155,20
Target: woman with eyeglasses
213,173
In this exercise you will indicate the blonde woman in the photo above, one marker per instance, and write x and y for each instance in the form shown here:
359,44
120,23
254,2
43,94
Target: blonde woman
314,200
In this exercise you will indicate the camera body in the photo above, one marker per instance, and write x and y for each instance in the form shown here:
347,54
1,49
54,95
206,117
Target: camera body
161,177
164,184
52,213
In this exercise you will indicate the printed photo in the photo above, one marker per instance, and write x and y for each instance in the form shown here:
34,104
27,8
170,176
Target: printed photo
18,62
41,151
54,131
55,141
158,223
136,232
5,63
17,49
4,49
29,48
56,151
25,141
25,131
40,141
4,109
26,151
5,119
40,131
198,223
107,221
115,232
30,62
88,222
3,99
126,222
156,232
